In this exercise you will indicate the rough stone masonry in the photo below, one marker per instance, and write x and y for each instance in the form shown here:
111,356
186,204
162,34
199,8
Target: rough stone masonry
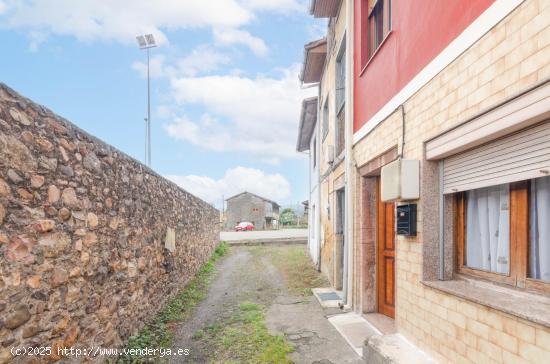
83,227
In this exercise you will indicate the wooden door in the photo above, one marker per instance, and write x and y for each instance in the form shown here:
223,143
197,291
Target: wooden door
385,237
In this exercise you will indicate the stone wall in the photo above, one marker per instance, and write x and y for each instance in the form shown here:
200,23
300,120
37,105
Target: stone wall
82,234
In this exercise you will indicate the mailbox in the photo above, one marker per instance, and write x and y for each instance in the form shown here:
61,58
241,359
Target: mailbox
406,220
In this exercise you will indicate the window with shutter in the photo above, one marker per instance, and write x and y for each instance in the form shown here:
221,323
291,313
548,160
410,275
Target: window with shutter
503,233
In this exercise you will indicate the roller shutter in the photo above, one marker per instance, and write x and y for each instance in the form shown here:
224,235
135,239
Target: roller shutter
519,156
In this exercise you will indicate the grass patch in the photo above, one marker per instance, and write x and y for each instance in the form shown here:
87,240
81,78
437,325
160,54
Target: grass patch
296,266
245,339
159,332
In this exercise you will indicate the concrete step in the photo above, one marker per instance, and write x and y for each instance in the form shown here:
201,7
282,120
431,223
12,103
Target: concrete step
354,328
393,349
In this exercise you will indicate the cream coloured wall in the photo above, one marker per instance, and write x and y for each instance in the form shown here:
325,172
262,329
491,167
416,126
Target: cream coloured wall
330,173
513,56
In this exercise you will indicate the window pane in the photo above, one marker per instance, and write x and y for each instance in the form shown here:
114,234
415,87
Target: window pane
539,229
340,132
387,17
379,24
371,35
488,229
340,93
325,118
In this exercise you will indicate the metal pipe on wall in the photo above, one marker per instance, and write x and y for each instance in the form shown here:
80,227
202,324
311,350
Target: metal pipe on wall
349,165
441,224
318,215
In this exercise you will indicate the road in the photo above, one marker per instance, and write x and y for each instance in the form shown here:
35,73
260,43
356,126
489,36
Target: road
279,280
263,234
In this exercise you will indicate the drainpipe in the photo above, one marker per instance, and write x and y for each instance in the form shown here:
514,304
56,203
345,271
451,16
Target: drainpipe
310,170
319,148
349,177
441,225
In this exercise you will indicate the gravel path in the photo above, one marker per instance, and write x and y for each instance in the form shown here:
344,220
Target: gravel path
247,274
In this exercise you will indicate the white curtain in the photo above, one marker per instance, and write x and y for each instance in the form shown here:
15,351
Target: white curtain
488,229
539,226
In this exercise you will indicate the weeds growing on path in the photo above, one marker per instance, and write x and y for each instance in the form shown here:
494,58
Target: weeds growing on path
159,332
296,267
244,338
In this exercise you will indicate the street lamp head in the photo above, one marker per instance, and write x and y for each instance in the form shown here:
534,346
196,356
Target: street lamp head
150,40
141,41
146,41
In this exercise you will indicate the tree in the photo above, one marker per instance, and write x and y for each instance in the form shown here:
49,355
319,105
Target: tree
288,216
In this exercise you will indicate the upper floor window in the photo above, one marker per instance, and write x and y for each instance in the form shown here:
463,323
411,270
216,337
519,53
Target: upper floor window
340,92
340,133
325,118
340,99
503,233
378,24
314,153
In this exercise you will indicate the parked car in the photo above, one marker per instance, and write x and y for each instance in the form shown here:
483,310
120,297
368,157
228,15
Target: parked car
244,226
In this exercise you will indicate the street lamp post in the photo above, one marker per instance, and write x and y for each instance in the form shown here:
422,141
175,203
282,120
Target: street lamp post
146,42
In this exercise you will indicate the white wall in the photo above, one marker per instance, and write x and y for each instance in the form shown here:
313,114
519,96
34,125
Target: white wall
314,199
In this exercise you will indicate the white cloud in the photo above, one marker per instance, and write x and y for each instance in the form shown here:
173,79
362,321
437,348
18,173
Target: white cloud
277,5
253,115
317,29
157,67
230,36
200,60
208,132
235,180
122,20
36,38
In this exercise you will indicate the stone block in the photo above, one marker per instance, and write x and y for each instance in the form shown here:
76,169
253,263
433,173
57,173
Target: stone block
393,349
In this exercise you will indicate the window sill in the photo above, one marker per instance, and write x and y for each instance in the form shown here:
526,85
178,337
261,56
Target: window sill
375,53
338,160
526,305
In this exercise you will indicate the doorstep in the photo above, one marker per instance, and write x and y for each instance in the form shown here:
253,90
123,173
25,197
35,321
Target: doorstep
393,349
372,336
354,329
383,323
328,297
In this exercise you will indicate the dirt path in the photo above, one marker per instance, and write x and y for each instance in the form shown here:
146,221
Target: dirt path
274,279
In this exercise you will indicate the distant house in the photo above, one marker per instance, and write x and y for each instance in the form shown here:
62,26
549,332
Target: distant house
246,206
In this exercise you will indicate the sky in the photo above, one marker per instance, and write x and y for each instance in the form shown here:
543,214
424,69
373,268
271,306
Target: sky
224,83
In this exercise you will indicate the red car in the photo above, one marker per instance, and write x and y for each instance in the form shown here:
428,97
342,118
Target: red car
244,226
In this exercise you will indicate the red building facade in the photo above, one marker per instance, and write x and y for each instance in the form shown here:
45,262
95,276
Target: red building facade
418,32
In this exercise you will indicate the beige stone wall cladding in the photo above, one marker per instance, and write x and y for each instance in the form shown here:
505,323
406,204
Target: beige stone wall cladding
328,200
330,172
513,56
82,230
327,243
